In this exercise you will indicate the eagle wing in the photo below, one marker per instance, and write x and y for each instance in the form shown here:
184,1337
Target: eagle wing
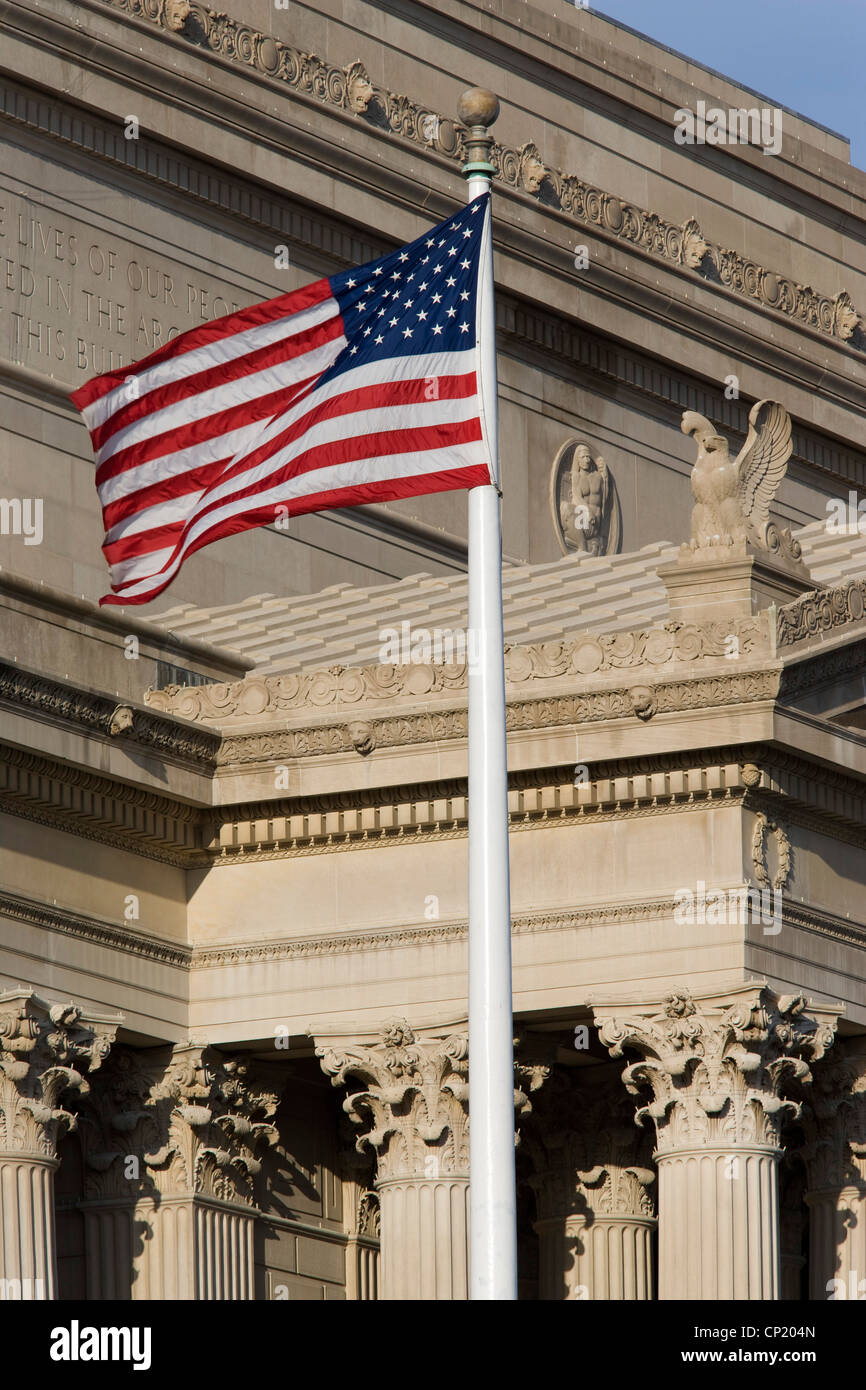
762,461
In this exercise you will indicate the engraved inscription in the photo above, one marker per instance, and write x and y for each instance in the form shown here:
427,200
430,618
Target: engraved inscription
76,302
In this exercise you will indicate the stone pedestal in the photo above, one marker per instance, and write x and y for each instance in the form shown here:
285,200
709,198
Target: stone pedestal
171,1154
44,1051
415,1104
716,1067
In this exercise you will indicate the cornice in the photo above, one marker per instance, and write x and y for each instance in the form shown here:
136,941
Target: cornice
99,808
87,712
519,323
351,89
93,929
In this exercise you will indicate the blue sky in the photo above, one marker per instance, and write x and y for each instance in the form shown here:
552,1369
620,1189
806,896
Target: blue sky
809,55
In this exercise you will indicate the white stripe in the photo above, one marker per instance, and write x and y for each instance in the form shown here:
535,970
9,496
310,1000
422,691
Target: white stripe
355,424
235,345
354,473
222,397
222,446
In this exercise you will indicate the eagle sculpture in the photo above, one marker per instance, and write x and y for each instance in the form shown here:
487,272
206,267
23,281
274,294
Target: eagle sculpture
733,496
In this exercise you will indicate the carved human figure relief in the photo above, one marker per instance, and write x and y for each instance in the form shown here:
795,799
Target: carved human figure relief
733,496
585,506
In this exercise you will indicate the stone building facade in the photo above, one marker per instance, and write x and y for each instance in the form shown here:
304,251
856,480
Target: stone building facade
233,1055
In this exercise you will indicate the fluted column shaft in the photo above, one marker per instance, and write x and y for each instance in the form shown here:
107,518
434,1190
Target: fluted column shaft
596,1257
27,1253
716,1067
835,1158
425,1238
719,1224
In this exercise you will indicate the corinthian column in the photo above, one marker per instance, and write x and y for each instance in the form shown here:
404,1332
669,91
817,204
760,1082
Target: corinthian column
413,1098
172,1148
716,1068
835,1158
592,1183
44,1051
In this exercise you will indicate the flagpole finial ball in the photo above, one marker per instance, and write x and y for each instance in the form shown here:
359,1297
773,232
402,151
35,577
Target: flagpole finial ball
478,107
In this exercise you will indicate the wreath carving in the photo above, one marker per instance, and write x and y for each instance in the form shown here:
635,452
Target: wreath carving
763,827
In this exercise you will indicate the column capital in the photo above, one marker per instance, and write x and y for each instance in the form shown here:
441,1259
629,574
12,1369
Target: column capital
834,1121
414,1096
45,1051
195,1122
717,1065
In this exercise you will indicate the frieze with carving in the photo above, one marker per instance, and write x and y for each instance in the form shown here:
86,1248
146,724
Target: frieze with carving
671,642
820,611
351,89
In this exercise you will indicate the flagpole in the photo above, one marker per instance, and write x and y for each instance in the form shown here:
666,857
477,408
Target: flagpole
492,1193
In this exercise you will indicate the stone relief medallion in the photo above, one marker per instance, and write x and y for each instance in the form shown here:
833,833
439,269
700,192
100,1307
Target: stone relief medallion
771,853
584,502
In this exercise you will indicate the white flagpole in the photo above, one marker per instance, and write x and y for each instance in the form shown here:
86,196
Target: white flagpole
492,1194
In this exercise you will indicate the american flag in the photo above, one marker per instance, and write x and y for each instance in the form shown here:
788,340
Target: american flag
364,387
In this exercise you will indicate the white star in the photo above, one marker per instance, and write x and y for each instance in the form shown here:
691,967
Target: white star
476,208
451,313
451,280
392,322
455,226
367,332
378,270
380,313
464,294
452,250
442,242
352,351
422,313
396,275
464,265
436,269
464,328
437,299
424,286
426,258
360,305
410,278
431,241
403,256
467,232
437,329
407,303
379,339
407,332
351,284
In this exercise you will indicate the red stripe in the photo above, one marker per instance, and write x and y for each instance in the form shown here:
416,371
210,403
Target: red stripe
166,490
226,372
379,395
199,431
387,490
251,317
425,439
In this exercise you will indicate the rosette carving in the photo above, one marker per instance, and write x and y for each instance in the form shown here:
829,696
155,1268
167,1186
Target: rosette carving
717,1068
